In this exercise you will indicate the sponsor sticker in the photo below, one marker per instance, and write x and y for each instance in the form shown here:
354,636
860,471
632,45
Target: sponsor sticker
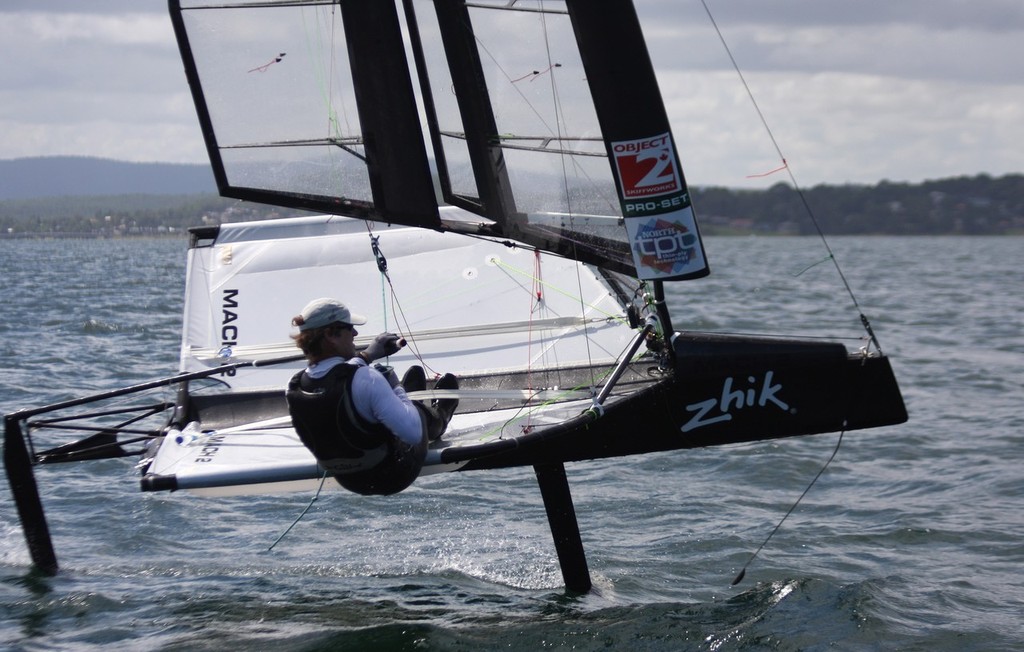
656,207
647,167
665,246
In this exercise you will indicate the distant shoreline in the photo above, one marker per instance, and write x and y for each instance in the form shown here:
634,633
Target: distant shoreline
86,235
161,199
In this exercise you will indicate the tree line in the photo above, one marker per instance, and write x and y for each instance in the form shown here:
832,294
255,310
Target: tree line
976,205
125,215
968,205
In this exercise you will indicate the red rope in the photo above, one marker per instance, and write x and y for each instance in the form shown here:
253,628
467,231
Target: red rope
264,67
536,298
770,172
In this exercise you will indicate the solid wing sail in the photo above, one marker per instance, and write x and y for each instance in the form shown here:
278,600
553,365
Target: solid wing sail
372,110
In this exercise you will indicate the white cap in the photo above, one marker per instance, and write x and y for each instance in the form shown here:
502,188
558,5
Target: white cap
324,312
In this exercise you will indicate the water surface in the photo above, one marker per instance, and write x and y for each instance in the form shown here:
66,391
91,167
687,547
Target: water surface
910,541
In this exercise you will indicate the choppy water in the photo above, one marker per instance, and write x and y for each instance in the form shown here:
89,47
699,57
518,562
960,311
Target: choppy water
912,540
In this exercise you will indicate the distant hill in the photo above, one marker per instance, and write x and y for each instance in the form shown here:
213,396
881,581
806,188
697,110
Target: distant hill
61,195
59,176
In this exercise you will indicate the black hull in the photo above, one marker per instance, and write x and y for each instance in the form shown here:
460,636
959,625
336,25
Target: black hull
724,390
721,390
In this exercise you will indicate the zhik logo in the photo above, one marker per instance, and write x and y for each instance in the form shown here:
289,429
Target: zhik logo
732,400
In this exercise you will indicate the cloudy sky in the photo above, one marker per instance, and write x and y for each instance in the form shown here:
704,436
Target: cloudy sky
903,90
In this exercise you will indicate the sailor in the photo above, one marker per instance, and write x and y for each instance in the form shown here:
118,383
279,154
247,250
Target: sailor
357,419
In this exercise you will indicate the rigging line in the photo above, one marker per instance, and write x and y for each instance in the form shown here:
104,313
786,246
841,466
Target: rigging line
559,117
533,75
851,399
536,300
323,478
325,22
336,82
327,84
412,343
314,45
500,264
508,77
812,265
386,283
332,115
559,120
483,48
533,409
792,178
385,279
546,342
743,571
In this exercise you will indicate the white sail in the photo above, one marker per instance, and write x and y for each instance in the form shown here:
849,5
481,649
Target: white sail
465,306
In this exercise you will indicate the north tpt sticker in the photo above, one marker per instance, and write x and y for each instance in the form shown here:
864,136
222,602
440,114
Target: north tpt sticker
664,246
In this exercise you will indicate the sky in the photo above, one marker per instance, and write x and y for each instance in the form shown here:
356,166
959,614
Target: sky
852,92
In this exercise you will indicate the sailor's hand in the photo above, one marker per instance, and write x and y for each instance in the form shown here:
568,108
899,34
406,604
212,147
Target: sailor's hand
382,346
388,373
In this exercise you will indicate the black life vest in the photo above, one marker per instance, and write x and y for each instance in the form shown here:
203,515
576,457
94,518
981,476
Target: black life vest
363,457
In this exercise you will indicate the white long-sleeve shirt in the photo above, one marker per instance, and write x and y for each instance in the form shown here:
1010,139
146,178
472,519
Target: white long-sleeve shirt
375,400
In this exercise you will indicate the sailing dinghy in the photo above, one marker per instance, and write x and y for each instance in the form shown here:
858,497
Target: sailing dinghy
495,181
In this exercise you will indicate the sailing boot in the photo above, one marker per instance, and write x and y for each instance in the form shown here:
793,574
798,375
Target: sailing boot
414,380
445,407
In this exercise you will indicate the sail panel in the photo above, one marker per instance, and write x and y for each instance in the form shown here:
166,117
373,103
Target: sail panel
298,107
528,109
464,64
313,169
469,306
510,93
